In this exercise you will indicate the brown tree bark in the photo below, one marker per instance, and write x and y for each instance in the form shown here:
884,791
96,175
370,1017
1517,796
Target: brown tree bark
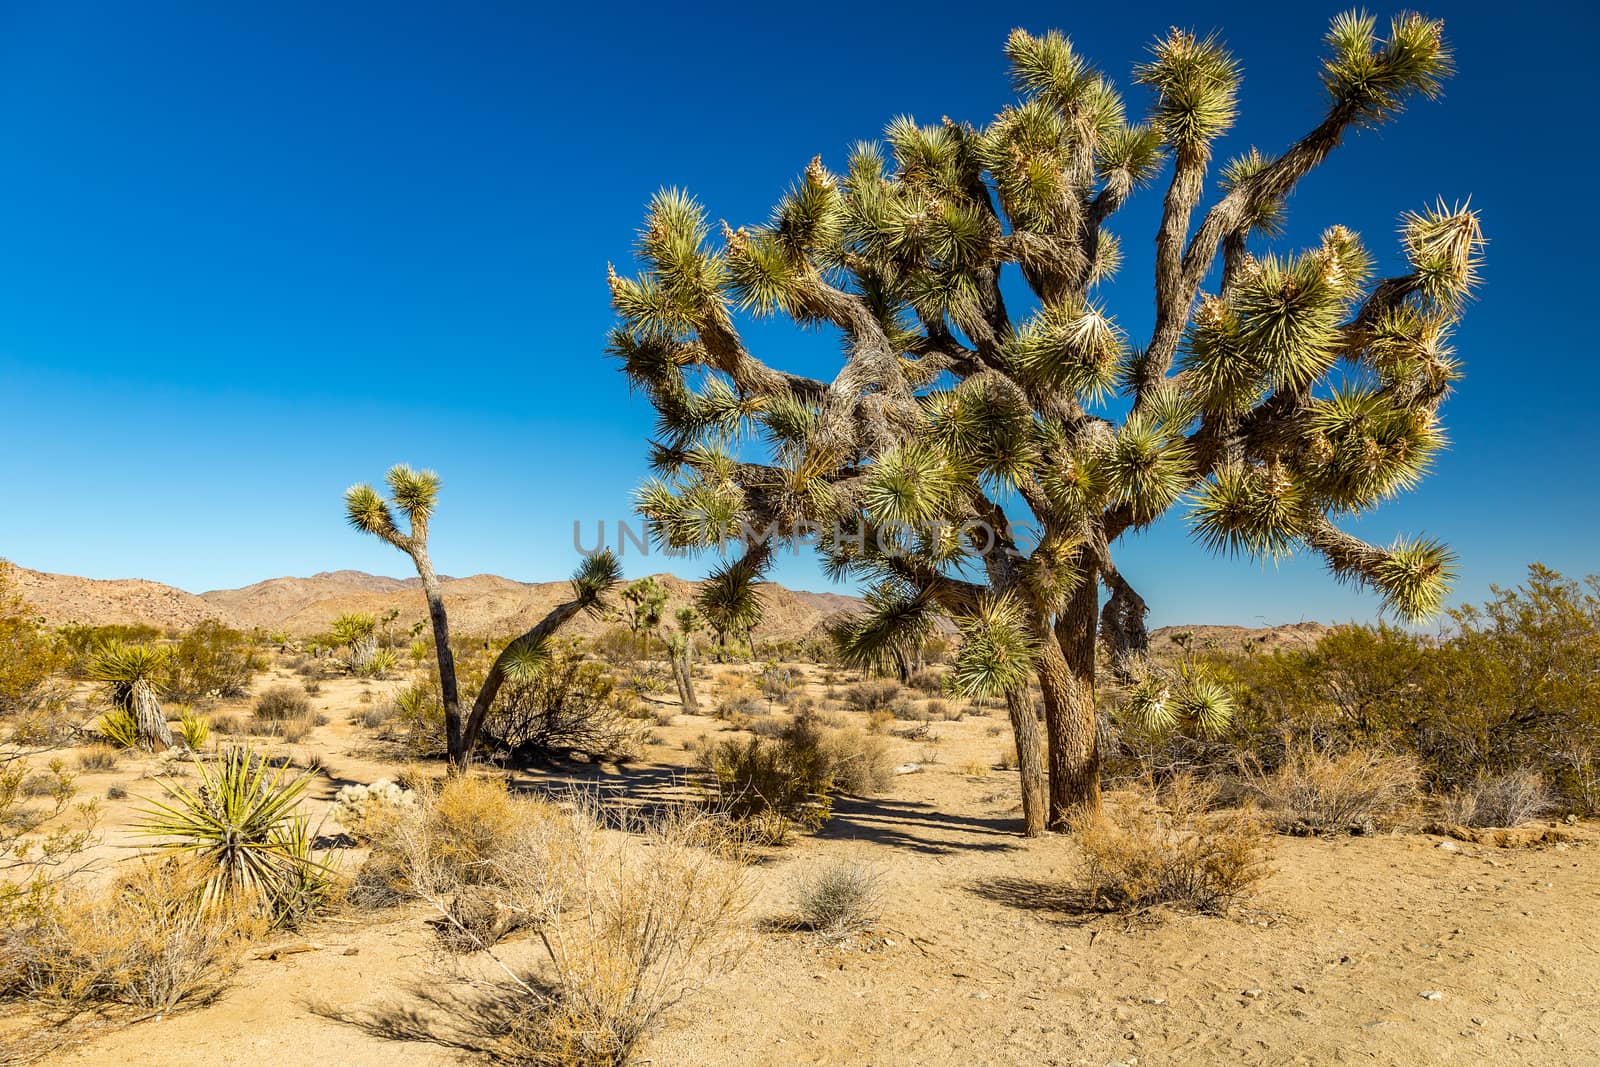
1066,674
448,691
1030,761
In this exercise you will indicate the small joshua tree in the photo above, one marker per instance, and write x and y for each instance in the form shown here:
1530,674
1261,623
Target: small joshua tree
730,603
981,451
647,602
680,646
415,493
128,675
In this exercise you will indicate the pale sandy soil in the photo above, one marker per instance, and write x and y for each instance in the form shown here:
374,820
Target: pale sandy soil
981,955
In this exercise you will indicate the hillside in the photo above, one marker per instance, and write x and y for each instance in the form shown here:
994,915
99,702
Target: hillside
482,603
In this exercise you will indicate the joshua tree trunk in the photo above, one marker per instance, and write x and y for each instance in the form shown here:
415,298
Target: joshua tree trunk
682,674
559,616
1066,675
448,692
1030,761
153,729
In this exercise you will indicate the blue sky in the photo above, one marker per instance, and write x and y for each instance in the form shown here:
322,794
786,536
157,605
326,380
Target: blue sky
253,253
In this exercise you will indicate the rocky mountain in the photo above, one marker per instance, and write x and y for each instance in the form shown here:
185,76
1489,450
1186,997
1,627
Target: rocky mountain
480,604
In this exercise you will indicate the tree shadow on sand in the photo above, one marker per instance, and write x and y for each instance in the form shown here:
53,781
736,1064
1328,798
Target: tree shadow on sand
1070,905
476,1018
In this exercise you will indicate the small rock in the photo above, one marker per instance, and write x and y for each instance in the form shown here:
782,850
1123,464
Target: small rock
1431,994
1448,846
1254,994
351,951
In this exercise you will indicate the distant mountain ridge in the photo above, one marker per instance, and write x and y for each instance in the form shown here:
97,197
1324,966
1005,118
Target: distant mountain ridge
479,604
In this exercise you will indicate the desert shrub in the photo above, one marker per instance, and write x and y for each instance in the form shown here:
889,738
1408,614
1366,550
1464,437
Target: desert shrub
367,811
768,726
857,761
620,646
1497,800
99,757
628,932
242,828
1511,687
80,641
1172,852
30,655
372,718
210,662
774,784
282,702
908,710
470,828
1007,760
927,681
837,898
1314,792
568,704
939,709
872,695
778,680
145,942
740,706
879,719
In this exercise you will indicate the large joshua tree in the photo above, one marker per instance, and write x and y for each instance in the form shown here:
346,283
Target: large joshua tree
981,450
415,494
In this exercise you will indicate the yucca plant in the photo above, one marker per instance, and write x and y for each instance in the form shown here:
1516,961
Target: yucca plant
415,494
357,631
119,728
984,447
194,728
128,675
243,827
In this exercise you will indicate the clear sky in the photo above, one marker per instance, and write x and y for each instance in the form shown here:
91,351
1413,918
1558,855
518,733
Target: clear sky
252,253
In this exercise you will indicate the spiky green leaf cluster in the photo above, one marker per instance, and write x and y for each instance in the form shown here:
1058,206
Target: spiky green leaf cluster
998,649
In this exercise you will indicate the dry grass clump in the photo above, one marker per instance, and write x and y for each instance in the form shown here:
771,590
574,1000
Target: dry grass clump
1173,851
282,702
629,924
837,898
146,942
857,760
1312,792
99,757
1503,800
872,695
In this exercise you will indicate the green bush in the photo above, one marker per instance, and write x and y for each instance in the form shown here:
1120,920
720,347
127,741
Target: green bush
29,654
772,784
211,662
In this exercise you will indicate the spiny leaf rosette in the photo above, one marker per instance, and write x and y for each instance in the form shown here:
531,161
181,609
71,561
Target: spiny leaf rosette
981,450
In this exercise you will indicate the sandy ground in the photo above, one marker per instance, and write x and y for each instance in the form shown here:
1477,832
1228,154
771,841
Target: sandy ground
981,954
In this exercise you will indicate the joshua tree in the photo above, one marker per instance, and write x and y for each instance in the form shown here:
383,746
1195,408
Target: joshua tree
358,632
647,602
128,675
980,452
729,601
680,646
415,493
